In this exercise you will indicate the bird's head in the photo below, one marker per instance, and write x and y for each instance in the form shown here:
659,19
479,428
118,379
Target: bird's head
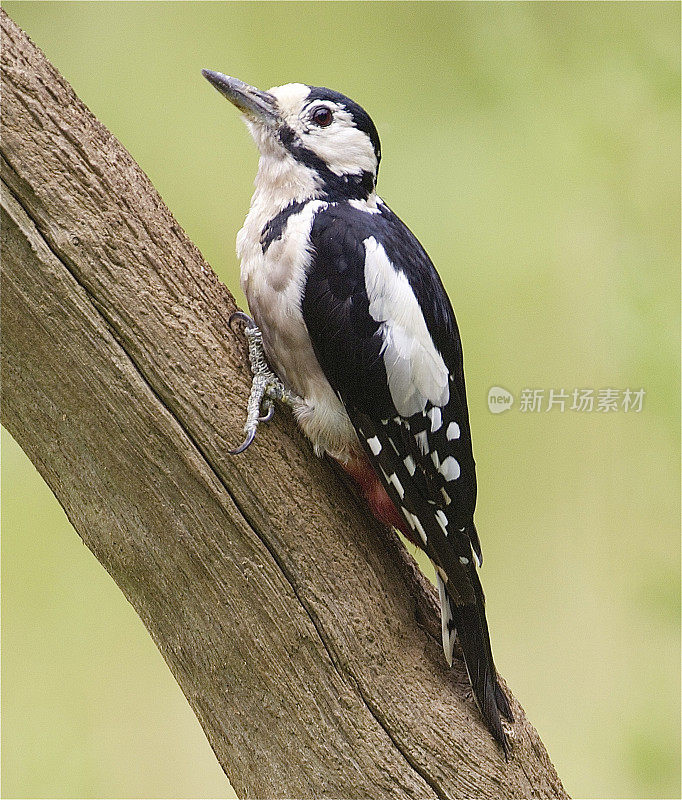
318,130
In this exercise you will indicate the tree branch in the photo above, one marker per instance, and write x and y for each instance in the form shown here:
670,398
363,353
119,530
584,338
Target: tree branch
299,630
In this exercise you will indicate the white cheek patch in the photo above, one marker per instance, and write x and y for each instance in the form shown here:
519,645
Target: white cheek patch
345,149
415,369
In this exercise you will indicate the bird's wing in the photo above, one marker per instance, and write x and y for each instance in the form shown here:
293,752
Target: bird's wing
385,336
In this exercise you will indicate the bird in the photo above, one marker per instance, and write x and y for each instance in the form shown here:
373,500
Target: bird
352,327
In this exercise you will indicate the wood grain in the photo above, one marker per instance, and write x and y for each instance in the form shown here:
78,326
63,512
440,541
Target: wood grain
299,630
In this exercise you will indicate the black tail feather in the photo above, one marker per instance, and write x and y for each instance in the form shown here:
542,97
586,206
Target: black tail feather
472,632
503,703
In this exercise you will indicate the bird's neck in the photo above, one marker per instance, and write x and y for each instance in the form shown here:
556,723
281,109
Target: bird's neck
281,180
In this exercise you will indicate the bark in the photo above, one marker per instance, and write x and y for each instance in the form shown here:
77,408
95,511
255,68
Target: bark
299,630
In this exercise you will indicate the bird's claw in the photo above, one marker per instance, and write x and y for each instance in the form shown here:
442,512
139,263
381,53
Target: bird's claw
250,436
269,414
266,387
242,317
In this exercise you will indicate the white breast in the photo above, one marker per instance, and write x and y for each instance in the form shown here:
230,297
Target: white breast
273,283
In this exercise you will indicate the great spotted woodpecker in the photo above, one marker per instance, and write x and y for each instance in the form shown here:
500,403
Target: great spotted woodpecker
355,322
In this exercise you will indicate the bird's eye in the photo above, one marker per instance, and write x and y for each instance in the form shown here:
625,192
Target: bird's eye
322,116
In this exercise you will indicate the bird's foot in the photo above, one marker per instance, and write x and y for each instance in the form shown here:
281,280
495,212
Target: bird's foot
266,387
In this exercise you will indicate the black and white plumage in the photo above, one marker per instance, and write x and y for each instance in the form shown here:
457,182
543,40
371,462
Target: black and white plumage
356,322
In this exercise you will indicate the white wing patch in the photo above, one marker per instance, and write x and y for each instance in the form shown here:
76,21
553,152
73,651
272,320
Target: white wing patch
453,431
374,445
398,486
414,523
449,469
415,369
436,419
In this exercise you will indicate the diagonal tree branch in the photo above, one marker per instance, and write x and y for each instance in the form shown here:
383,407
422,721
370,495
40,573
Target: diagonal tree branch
300,631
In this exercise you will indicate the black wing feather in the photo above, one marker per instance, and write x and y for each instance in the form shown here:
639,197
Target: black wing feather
346,339
348,342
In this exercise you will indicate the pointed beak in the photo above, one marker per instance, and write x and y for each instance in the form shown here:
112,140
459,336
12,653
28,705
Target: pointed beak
256,104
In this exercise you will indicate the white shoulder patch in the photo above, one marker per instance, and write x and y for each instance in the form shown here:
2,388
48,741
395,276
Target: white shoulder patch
369,206
415,369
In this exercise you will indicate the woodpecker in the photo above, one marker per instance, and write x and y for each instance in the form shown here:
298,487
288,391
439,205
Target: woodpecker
353,319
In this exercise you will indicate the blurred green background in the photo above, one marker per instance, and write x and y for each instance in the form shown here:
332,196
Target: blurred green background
534,150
